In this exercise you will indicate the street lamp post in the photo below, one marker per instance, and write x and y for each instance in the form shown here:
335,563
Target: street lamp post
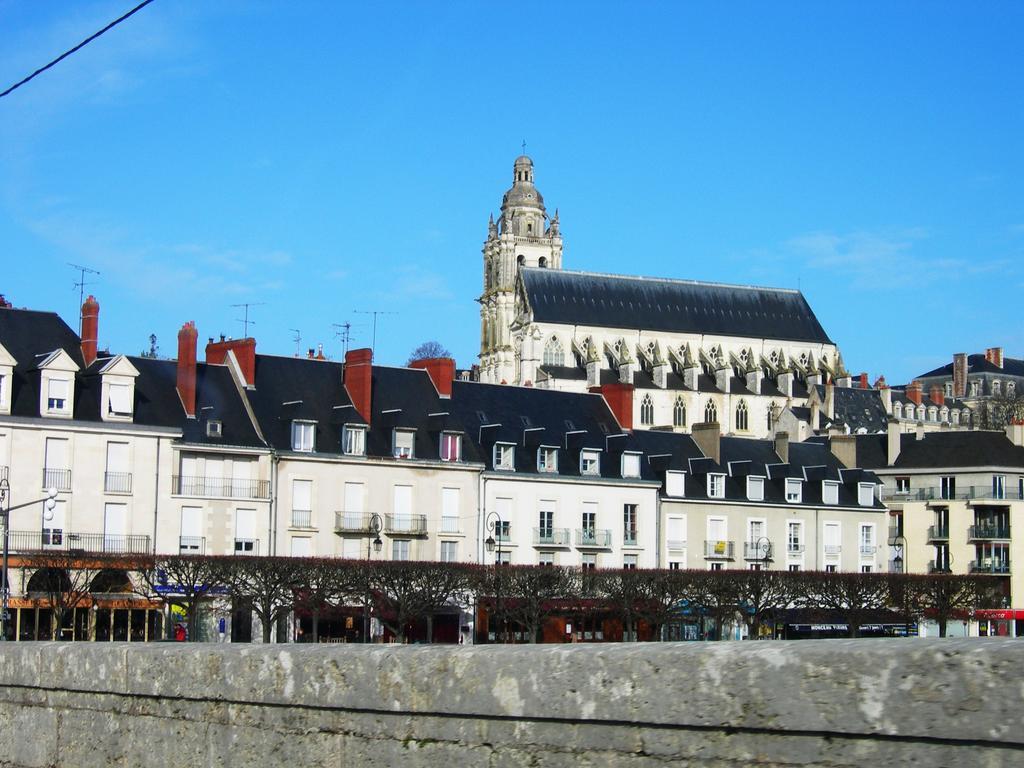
494,524
372,540
899,562
763,547
5,512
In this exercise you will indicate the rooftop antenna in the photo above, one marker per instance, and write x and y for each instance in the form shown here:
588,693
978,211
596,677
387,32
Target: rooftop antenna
374,312
246,322
344,333
297,338
80,285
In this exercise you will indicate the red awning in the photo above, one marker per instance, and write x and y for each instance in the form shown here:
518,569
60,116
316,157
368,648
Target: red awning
1004,614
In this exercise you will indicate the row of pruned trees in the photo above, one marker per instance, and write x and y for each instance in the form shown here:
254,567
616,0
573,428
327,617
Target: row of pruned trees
402,593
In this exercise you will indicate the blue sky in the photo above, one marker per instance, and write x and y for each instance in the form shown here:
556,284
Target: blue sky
329,157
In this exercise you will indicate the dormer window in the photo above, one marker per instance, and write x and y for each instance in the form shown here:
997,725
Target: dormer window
451,447
302,436
794,491
590,462
675,484
119,400
547,459
214,428
353,441
830,492
57,395
866,494
402,443
755,488
504,456
716,486
631,465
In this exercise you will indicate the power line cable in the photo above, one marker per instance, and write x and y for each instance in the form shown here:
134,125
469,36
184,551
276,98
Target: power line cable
82,44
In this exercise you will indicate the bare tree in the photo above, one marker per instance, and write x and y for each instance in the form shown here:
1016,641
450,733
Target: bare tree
64,579
404,592
944,596
855,594
530,593
761,594
325,582
428,350
185,581
268,583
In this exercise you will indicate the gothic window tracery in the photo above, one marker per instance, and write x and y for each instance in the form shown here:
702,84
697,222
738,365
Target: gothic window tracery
741,416
679,413
554,353
710,411
647,411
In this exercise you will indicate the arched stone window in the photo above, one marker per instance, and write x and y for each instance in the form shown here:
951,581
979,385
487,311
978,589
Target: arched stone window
679,413
647,411
1011,388
996,387
741,416
710,411
542,262
554,354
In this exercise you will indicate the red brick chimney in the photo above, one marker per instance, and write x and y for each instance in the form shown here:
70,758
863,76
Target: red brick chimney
863,384
960,374
937,395
4,303
187,337
245,354
995,356
90,329
914,392
619,397
359,379
441,371
880,383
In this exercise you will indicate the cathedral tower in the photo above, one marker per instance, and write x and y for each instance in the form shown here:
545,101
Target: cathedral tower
523,237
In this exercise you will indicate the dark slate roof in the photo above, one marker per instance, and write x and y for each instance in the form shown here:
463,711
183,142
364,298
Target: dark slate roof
156,396
30,336
218,398
978,364
529,418
857,408
677,306
953,448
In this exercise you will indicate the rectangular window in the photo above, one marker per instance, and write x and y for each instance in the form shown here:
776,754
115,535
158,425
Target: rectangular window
402,518
675,484
353,549
119,399
866,494
450,510
245,532
504,456
717,566
794,568
947,487
755,488
451,447
117,478
547,459
302,436
400,549
902,485
830,492
998,486
629,562
302,546
588,560
631,465
674,565
403,440
57,395
794,490
302,503
545,558
831,568
590,463
675,532
831,538
865,569
53,529
867,540
115,527
354,441
716,486
352,511
794,537
503,507
503,557
449,551
589,522
629,524
546,522
56,471
191,542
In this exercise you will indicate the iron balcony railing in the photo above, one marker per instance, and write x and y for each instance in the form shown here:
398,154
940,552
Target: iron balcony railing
753,550
794,549
867,550
938,533
117,482
833,549
676,544
966,493
600,538
719,550
1001,567
71,541
192,545
302,518
988,532
629,538
247,546
223,487
450,525
408,525
552,537
355,522
57,478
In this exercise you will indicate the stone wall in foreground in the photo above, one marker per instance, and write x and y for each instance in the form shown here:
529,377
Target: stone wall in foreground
830,702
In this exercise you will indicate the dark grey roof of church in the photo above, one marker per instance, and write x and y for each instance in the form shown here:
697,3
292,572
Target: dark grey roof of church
857,408
676,306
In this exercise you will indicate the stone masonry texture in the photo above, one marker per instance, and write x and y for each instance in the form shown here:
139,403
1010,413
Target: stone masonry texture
831,703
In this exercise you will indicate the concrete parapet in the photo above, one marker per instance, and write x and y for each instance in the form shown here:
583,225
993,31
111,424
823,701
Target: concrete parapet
831,702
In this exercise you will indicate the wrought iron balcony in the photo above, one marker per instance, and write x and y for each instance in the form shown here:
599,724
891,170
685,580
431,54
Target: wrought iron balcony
754,550
57,478
70,541
988,532
355,522
302,518
551,537
938,533
833,549
117,482
406,525
219,487
794,549
598,538
719,550
990,565
192,545
868,550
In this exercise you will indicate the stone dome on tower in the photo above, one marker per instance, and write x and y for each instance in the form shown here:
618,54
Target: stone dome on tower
523,202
